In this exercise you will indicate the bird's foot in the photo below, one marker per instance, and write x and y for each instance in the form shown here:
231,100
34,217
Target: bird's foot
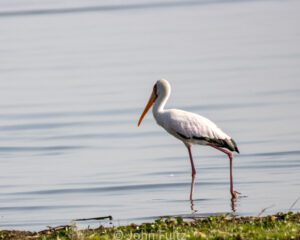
235,194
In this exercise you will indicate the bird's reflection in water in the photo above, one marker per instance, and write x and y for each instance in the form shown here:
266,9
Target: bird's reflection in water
233,200
194,210
233,205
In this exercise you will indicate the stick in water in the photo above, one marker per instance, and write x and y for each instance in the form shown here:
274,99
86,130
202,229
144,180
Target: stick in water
95,218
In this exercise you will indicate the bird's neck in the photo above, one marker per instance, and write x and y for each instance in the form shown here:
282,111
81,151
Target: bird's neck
159,105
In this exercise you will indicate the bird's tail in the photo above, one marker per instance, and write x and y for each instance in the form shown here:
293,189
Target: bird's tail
225,143
235,147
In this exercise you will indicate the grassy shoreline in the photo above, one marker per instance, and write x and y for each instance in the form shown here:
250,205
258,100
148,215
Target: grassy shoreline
278,226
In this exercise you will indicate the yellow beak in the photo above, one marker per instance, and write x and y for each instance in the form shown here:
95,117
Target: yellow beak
148,106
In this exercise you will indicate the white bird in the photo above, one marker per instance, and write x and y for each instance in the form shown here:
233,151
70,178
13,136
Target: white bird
190,128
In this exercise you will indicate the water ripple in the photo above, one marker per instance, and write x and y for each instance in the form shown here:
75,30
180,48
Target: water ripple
39,149
110,8
45,207
272,154
125,188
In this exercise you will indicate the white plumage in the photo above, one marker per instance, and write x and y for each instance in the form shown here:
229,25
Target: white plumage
189,127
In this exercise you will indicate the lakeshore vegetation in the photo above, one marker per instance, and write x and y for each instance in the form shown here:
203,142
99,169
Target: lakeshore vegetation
278,226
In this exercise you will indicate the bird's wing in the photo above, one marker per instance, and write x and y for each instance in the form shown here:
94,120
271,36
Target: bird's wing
195,127
192,125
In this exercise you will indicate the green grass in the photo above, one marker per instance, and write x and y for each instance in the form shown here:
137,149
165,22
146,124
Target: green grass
279,226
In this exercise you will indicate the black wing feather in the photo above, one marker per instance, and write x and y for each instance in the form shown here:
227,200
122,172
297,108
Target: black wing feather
224,143
230,144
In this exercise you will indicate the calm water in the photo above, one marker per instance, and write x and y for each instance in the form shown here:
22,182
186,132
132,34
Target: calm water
75,78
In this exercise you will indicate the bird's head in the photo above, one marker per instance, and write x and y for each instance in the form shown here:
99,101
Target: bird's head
160,88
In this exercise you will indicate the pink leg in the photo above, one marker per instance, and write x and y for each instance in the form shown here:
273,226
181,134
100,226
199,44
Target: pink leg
193,172
192,188
192,161
230,156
